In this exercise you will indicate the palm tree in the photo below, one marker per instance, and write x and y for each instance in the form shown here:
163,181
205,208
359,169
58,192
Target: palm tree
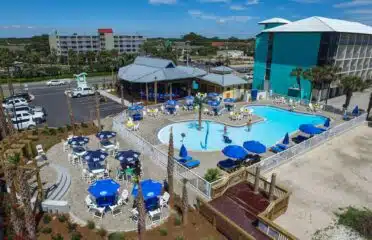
91,57
141,225
198,101
185,202
330,77
298,73
315,75
16,219
350,84
369,106
25,197
170,168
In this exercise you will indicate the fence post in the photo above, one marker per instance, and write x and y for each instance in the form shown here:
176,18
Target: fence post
257,180
272,187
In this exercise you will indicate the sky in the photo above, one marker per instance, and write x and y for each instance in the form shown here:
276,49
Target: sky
166,18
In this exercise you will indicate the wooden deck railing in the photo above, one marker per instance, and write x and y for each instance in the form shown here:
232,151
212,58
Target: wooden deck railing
276,208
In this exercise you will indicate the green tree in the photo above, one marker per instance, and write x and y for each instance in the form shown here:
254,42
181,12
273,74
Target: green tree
315,75
350,84
185,202
297,73
369,106
170,168
331,75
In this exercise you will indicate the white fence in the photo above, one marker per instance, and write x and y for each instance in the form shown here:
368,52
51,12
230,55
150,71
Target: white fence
160,158
282,157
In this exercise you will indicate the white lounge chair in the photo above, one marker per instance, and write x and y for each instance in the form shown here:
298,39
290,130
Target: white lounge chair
135,214
115,210
98,212
40,150
155,215
89,203
136,127
311,107
65,145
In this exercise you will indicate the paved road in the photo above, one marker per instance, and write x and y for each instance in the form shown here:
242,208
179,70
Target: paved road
54,101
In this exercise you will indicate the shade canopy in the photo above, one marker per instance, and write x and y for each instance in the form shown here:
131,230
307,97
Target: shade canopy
95,166
254,147
213,103
229,100
78,140
355,111
171,103
127,156
212,94
135,107
310,129
286,139
104,188
95,156
150,189
105,135
235,151
183,151
327,123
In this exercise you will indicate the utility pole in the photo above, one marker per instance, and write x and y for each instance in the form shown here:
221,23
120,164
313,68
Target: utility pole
72,120
98,112
187,52
122,94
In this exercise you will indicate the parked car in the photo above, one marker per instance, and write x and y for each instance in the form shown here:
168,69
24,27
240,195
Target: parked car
57,82
14,102
25,121
82,92
24,95
38,113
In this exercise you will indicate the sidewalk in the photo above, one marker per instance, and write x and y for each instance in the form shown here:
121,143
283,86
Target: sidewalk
113,97
359,98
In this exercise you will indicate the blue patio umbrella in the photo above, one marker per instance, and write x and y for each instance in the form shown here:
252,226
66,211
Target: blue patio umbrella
355,111
78,140
229,100
254,147
127,156
212,94
150,189
95,156
171,103
327,123
213,103
104,191
95,165
235,151
135,107
183,151
286,139
310,129
105,135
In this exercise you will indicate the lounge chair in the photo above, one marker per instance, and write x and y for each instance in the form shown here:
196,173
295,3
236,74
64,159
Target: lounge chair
226,139
300,139
229,165
252,159
276,149
192,163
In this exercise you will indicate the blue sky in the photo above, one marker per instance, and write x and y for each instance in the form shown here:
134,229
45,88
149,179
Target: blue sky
173,18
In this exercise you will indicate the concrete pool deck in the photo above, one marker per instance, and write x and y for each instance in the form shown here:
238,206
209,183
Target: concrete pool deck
334,175
150,126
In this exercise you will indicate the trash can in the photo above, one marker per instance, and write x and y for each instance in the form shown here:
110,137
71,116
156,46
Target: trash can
254,93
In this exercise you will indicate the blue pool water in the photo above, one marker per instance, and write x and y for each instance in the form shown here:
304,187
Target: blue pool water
276,124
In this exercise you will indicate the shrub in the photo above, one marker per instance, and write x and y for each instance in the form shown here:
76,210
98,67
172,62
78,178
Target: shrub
212,174
57,237
91,224
84,125
61,129
359,220
45,130
95,86
52,131
62,218
46,230
68,127
102,232
47,219
76,236
116,236
35,132
103,85
71,226
163,232
179,238
177,220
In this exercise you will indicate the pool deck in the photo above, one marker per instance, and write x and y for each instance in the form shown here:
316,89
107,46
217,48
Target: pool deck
150,126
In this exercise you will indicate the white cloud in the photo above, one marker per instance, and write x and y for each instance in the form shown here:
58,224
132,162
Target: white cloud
353,3
205,16
237,7
306,1
163,2
252,2
360,11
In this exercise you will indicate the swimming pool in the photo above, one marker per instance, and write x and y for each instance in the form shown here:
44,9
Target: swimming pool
276,124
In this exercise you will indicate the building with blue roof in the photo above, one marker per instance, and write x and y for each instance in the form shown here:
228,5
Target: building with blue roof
148,77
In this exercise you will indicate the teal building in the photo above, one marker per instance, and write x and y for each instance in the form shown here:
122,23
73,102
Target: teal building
283,45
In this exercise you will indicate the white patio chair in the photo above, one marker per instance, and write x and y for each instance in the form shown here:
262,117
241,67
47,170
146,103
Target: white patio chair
155,215
156,112
164,199
136,127
125,195
65,145
311,107
135,214
239,117
98,212
84,175
144,113
40,150
206,111
115,210
162,109
70,136
89,203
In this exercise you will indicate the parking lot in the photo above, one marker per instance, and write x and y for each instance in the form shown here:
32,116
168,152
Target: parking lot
54,101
